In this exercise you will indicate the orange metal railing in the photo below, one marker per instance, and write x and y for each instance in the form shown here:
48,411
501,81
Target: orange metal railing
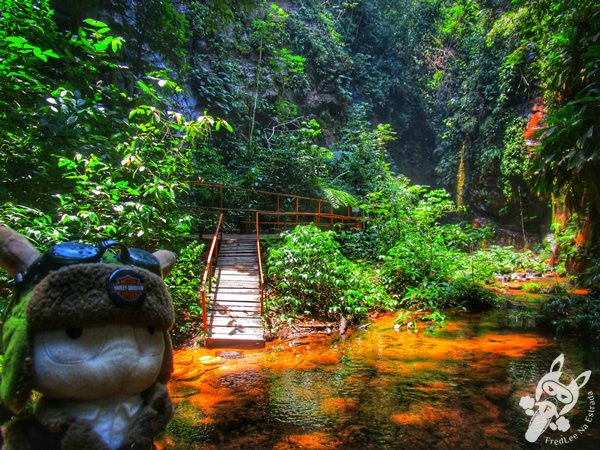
275,213
277,209
260,270
213,254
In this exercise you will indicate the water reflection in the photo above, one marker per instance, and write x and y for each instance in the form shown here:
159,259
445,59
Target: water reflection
456,387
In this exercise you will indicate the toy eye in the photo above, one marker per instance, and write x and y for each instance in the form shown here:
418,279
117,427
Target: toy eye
71,345
149,340
74,332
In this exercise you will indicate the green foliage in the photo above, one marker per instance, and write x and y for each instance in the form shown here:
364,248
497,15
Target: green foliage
91,146
565,235
471,296
412,319
555,53
569,158
359,159
45,113
458,16
417,258
516,164
539,288
37,226
578,315
311,276
426,263
591,276
134,198
294,161
402,210
287,67
359,245
496,259
115,164
184,284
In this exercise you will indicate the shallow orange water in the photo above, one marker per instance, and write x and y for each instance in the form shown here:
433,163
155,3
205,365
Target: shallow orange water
456,387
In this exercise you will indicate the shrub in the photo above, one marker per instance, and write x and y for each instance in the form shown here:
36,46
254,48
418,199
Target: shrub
572,315
425,263
538,288
311,276
415,263
358,245
533,288
184,283
472,297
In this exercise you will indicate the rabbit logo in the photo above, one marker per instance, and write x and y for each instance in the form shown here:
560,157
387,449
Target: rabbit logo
553,400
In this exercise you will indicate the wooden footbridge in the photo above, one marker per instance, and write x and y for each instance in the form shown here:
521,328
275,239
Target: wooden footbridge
232,289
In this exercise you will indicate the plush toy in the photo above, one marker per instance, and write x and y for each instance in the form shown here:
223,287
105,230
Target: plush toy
87,330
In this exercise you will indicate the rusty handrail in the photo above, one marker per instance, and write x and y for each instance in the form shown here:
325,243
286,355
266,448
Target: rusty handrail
260,270
275,196
317,219
216,185
207,277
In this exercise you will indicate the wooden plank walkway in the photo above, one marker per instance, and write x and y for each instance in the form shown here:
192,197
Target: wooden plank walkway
234,309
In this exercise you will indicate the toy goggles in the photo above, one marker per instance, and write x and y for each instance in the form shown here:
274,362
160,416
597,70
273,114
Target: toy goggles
70,253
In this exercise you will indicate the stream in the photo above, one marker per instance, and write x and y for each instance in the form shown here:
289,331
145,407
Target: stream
458,386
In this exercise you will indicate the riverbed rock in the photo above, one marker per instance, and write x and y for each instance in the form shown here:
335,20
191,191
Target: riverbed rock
230,354
211,360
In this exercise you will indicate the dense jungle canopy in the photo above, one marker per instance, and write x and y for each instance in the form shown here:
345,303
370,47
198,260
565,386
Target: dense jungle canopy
463,134
109,108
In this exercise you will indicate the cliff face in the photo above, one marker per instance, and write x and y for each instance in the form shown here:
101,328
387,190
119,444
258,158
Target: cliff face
268,68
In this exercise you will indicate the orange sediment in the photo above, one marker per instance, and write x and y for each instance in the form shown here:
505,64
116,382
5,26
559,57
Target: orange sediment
292,394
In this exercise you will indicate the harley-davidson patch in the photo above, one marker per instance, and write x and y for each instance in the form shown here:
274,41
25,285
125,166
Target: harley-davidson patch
126,288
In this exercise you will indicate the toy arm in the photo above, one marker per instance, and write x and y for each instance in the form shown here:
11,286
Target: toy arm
28,434
151,420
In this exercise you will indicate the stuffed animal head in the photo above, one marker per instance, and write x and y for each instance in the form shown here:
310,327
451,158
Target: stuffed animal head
86,323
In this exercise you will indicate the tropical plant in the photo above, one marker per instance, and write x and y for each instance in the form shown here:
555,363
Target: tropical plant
184,284
135,198
310,276
570,314
568,159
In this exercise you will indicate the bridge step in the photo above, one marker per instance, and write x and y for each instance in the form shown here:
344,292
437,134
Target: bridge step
234,309
220,306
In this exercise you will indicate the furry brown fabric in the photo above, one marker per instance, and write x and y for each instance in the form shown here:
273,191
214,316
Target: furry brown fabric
167,365
28,434
151,420
16,252
77,296
54,428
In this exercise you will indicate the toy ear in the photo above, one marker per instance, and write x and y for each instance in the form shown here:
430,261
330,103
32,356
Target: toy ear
560,360
16,252
167,261
586,376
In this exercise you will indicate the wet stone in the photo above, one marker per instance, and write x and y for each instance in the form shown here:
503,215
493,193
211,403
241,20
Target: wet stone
230,354
183,359
186,375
